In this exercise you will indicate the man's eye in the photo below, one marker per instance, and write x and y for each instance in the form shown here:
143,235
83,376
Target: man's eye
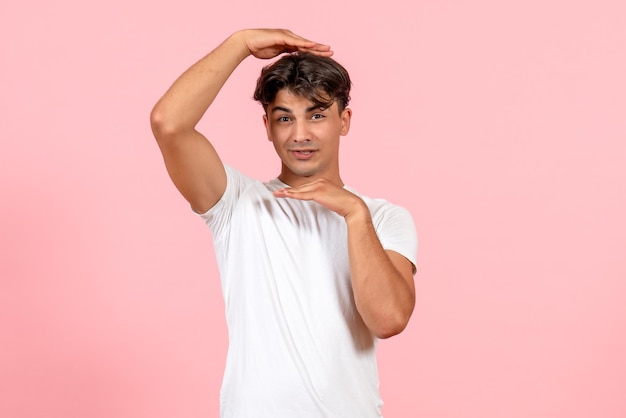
284,119
317,116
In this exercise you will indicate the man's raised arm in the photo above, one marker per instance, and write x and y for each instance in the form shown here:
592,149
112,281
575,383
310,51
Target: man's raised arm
192,163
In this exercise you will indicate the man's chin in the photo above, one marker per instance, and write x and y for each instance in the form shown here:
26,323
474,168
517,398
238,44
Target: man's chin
302,171
299,174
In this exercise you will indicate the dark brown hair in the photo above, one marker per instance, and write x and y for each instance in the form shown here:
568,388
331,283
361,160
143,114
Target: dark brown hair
322,80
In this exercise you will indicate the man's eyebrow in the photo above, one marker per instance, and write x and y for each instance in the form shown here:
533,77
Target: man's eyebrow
315,107
280,109
287,110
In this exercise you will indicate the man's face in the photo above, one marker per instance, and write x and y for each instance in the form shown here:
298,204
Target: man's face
306,138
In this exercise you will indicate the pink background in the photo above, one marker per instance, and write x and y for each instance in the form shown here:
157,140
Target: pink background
500,125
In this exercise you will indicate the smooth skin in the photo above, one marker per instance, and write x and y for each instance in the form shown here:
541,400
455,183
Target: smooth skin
306,139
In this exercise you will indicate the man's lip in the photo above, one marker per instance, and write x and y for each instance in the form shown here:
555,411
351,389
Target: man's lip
303,154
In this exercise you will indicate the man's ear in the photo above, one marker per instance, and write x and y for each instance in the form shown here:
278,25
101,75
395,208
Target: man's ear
267,128
346,116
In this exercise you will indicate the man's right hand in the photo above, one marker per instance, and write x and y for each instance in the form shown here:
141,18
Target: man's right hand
268,43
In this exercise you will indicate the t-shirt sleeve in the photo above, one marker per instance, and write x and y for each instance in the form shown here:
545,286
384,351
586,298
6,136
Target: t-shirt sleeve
396,231
218,217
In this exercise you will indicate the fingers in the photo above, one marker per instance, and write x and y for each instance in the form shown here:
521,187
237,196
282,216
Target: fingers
321,191
319,49
304,192
266,43
311,47
316,48
294,194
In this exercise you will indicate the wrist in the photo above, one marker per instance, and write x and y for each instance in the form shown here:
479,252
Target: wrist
238,40
359,213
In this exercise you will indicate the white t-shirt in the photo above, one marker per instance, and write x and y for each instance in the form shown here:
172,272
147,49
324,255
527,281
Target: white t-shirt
297,345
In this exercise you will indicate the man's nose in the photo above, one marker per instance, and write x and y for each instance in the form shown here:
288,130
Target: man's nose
301,132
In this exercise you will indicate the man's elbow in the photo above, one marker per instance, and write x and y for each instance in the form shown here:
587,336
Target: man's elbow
393,325
164,127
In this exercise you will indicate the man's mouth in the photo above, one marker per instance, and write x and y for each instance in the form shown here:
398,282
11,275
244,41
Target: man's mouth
303,154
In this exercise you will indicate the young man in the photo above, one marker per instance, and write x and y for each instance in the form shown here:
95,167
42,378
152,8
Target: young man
312,272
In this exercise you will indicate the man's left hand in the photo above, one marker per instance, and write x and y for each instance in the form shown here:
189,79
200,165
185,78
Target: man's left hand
329,195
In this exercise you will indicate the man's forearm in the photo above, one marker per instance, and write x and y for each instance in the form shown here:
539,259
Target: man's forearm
383,296
183,105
